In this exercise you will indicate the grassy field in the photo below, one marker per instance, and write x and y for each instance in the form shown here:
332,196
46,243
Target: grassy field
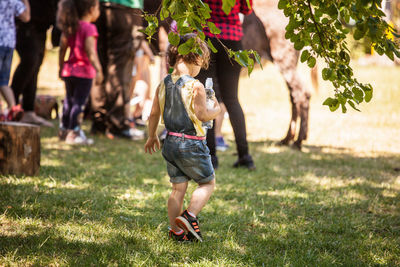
336,203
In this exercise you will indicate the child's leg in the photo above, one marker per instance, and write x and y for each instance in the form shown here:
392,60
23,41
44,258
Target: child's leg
8,95
200,197
175,203
80,95
67,104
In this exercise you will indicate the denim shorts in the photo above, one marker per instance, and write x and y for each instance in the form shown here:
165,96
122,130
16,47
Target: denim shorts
187,159
6,55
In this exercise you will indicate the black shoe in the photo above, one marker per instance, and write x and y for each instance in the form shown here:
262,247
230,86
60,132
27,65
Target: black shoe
180,238
245,161
214,161
190,224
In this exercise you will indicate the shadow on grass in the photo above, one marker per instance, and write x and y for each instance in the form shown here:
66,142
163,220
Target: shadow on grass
107,204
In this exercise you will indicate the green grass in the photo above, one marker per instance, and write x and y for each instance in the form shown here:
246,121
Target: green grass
336,203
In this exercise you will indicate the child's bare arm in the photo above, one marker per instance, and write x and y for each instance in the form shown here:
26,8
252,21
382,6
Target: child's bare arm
26,15
61,54
200,108
91,52
154,118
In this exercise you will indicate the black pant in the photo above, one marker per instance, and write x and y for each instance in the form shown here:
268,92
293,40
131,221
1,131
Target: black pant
30,46
117,43
225,74
77,93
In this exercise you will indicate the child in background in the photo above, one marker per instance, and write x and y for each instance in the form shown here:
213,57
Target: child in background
9,9
181,100
75,18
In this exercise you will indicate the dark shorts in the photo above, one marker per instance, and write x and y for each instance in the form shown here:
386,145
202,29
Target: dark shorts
6,55
187,159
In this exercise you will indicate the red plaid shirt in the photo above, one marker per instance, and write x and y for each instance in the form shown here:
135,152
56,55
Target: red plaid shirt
230,25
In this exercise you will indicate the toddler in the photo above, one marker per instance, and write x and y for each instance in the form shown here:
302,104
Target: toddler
181,100
74,18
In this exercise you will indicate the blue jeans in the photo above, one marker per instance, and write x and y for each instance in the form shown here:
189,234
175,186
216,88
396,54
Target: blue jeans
187,159
6,55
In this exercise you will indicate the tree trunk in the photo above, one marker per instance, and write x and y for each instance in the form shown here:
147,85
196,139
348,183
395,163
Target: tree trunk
19,148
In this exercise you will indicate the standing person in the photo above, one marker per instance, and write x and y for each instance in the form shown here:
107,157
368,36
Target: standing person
9,9
182,102
75,18
119,38
225,74
31,40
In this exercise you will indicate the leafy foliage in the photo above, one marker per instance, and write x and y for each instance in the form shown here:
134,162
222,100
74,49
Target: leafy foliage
191,16
316,27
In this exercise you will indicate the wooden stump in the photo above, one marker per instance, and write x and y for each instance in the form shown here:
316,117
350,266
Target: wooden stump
19,148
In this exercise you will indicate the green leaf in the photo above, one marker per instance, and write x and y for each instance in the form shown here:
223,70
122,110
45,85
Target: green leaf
333,103
304,56
282,4
299,45
211,46
358,34
358,94
213,29
351,103
257,57
227,6
186,47
368,95
311,61
173,38
327,73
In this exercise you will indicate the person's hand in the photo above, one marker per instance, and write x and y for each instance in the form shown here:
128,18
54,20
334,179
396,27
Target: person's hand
151,145
99,77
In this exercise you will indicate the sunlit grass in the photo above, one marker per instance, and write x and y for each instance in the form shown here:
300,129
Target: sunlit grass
335,203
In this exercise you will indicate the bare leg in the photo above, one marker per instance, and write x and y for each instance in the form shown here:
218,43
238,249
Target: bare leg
8,95
200,197
175,203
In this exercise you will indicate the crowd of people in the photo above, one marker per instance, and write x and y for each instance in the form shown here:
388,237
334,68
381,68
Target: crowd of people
107,69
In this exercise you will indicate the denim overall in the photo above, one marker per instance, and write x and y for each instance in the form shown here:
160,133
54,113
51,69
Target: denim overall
186,158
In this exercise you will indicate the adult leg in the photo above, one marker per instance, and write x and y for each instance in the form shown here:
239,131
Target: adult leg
30,47
98,92
211,72
175,203
228,78
200,197
122,42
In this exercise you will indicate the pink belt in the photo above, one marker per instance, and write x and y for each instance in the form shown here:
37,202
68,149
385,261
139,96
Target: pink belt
187,136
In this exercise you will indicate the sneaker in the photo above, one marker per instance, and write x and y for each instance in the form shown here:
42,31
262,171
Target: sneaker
16,113
62,134
189,224
180,238
132,133
245,161
78,138
220,144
